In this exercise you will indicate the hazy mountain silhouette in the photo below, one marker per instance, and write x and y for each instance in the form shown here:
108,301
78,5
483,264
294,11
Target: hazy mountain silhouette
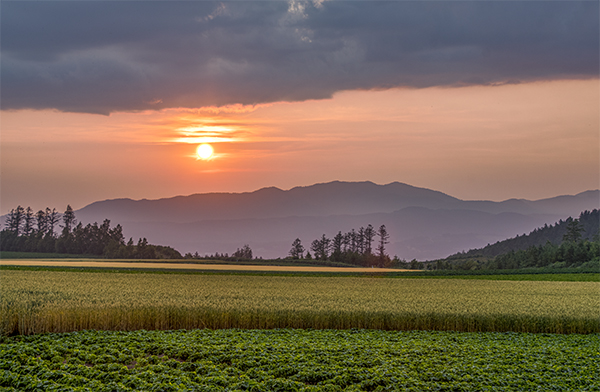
422,223
332,198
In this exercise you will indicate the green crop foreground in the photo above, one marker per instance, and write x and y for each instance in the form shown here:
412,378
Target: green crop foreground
299,360
57,301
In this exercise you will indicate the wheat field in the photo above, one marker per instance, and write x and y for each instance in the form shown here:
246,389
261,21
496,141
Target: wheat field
149,264
61,301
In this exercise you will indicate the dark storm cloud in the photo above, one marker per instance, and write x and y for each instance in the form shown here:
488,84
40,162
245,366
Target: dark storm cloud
101,57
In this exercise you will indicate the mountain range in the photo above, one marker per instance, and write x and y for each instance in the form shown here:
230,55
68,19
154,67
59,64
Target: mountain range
423,224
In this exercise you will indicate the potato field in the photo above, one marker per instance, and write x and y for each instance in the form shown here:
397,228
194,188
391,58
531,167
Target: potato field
299,360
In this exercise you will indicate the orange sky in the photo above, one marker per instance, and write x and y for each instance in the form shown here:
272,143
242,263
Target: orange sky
531,140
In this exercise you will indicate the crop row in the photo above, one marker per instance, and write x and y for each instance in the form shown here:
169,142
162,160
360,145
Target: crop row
58,301
299,360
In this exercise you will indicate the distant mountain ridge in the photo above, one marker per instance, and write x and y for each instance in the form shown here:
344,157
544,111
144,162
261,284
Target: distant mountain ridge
423,223
562,205
333,198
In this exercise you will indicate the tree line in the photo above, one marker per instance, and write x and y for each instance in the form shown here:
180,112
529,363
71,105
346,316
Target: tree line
244,254
354,247
26,231
363,247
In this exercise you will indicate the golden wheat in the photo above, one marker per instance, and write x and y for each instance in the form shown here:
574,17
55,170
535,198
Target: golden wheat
57,301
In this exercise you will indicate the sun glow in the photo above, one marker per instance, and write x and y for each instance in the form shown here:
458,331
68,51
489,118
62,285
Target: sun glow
204,151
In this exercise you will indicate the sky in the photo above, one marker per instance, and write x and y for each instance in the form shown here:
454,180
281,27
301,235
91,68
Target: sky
478,99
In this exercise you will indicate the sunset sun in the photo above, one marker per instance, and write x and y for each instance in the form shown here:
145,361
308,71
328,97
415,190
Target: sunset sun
204,151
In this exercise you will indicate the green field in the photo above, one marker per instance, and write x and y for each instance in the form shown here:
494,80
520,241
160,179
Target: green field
60,301
522,275
283,262
299,360
39,255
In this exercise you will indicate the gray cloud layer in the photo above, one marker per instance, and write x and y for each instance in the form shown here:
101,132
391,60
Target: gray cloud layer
101,57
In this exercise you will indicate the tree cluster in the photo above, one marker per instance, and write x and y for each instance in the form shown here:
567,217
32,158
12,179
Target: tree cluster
23,221
28,232
243,253
354,247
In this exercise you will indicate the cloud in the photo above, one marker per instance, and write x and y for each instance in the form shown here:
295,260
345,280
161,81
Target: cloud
102,57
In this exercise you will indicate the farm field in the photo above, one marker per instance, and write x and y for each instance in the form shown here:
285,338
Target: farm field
85,263
61,301
516,275
299,360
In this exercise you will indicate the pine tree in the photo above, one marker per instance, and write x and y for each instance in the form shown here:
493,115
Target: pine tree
361,246
14,220
353,241
574,230
69,219
320,248
53,217
28,221
383,240
369,235
41,221
297,250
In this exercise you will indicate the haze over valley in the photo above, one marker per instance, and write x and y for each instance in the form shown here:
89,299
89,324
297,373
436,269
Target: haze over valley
423,224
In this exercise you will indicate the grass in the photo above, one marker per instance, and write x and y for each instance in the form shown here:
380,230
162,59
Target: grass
60,301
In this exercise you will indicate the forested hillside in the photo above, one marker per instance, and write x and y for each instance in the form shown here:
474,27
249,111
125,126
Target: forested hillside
588,222
568,243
